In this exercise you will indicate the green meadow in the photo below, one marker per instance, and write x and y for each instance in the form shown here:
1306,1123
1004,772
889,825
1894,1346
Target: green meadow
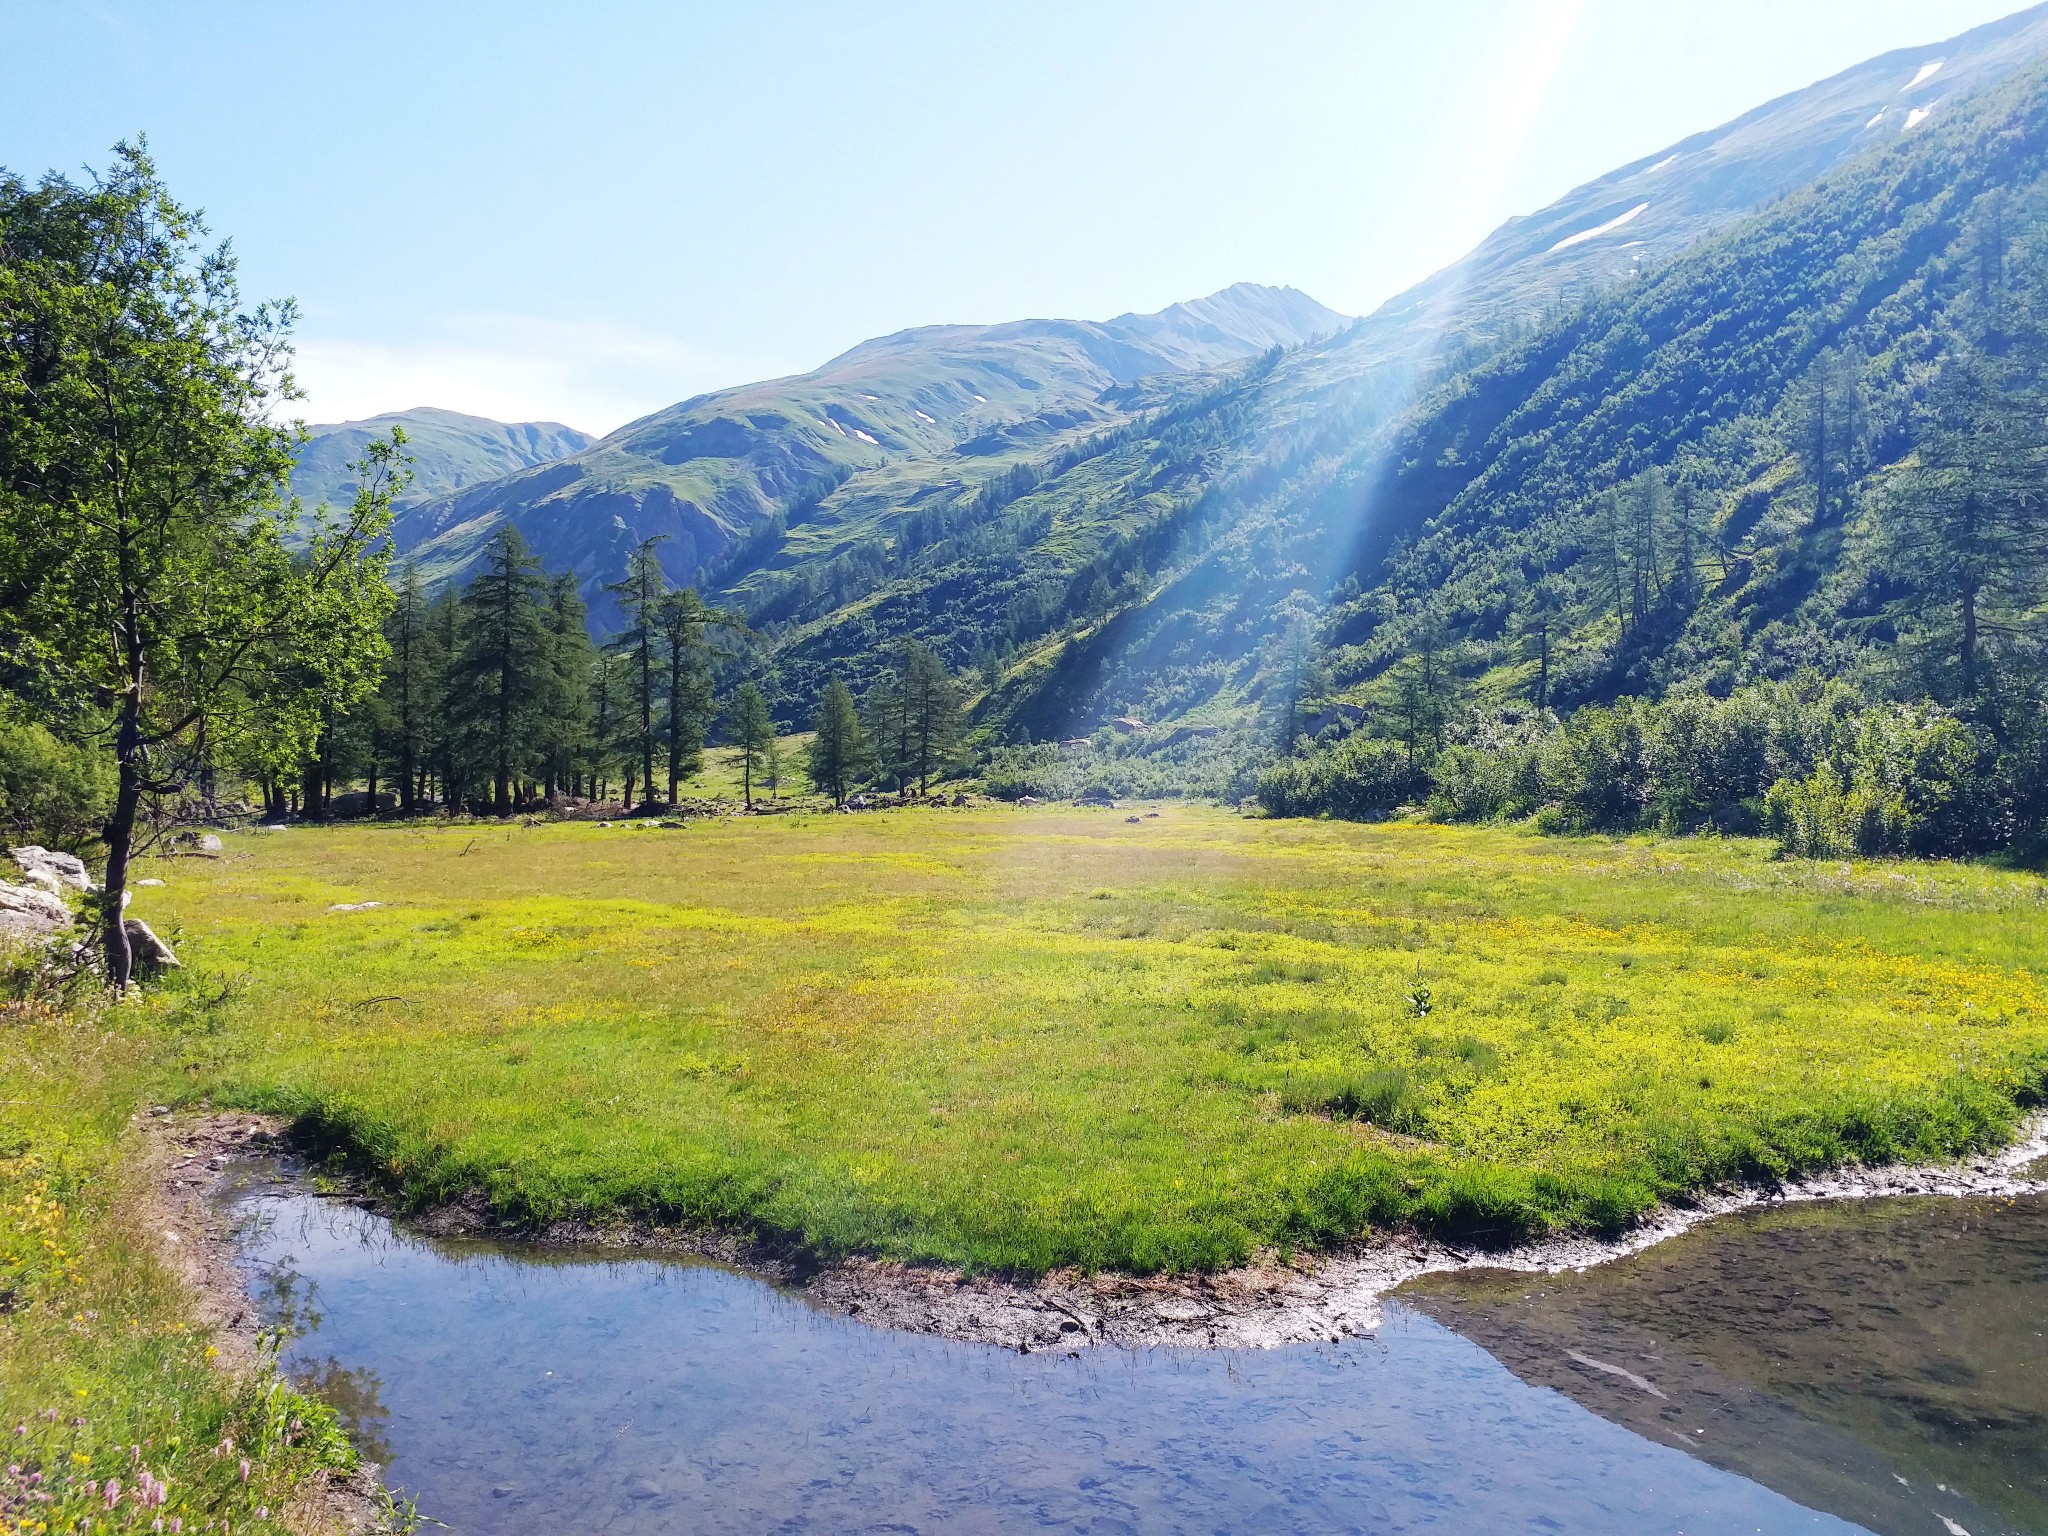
1015,1040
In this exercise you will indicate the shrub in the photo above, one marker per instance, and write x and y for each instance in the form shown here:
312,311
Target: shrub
52,792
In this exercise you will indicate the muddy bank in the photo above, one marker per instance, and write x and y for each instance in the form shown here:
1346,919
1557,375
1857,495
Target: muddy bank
182,1163
1267,1303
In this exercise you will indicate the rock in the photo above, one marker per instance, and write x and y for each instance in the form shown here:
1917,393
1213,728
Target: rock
149,953
151,881
1135,820
198,842
52,871
27,911
355,906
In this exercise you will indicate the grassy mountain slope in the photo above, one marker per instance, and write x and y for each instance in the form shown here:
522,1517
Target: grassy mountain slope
450,451
711,474
1769,379
1152,575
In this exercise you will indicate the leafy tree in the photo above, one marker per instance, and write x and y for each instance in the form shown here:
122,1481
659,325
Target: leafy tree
840,750
753,731
143,552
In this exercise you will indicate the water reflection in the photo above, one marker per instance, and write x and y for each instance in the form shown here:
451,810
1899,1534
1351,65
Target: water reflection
552,1392
1886,1360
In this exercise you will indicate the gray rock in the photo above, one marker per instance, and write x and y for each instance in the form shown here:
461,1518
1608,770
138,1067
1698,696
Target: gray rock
27,911
149,953
151,881
51,870
198,842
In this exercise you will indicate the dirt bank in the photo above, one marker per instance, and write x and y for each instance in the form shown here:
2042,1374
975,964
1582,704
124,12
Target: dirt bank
183,1159
1261,1305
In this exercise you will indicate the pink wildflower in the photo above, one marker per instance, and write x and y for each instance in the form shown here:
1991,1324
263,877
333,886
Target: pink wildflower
113,1491
244,1469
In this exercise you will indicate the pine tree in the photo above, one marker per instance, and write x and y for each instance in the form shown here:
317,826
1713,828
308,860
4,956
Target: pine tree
501,674
411,685
566,712
683,619
931,713
840,751
640,597
753,731
1967,527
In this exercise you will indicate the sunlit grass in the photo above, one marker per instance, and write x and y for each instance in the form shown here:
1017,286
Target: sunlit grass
1018,1040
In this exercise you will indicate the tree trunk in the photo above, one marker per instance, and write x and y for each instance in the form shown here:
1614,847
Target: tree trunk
1969,648
120,836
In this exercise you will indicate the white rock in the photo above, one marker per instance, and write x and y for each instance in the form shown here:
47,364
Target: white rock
52,871
148,952
354,906
31,912
151,881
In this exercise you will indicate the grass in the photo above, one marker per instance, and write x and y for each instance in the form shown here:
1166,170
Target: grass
102,1377
1014,1040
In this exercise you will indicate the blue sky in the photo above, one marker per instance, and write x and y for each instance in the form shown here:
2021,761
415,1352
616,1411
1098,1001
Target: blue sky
583,214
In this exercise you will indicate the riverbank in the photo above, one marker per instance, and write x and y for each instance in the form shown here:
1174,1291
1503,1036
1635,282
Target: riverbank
1262,1305
137,1401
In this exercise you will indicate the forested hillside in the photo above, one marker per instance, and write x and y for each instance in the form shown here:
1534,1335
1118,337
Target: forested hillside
1795,485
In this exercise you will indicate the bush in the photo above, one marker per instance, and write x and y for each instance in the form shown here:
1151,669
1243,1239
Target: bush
1828,773
1360,779
52,792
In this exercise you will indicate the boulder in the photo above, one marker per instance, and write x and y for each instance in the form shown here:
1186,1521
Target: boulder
197,842
148,953
51,870
28,911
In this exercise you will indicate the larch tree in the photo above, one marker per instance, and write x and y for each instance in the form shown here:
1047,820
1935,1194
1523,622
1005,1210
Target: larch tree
753,732
840,751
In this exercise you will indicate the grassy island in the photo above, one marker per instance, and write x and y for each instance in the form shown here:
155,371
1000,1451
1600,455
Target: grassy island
1016,1040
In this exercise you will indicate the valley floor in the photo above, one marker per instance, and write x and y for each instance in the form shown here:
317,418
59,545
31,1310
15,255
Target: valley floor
1018,1041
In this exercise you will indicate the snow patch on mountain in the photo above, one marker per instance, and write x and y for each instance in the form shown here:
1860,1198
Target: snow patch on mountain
1600,229
1918,116
1927,73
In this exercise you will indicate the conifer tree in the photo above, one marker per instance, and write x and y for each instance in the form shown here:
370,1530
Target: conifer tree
840,751
1967,527
566,714
931,714
640,597
411,685
753,732
502,674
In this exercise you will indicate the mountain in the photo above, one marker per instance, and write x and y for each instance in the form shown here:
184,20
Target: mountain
1134,517
711,473
1168,564
1692,481
449,451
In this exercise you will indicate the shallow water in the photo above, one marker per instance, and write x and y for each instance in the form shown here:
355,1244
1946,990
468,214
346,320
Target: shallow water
512,1389
1886,1360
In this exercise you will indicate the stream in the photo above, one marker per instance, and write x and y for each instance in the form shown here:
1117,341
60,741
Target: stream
1877,1365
